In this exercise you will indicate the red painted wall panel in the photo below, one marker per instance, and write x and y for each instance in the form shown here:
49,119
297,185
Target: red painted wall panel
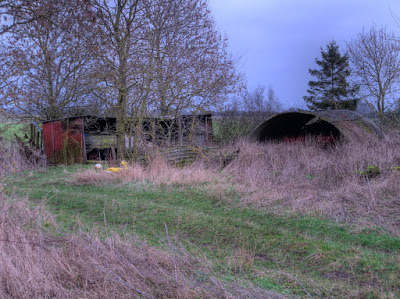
48,140
63,141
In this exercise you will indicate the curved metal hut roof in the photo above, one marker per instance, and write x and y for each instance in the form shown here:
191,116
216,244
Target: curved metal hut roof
339,124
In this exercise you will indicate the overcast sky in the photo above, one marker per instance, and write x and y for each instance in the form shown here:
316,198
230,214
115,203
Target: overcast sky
280,39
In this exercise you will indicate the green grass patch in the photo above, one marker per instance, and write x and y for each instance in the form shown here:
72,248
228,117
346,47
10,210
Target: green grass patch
294,255
8,130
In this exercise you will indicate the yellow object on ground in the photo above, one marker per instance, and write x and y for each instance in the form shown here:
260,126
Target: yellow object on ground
118,169
3,189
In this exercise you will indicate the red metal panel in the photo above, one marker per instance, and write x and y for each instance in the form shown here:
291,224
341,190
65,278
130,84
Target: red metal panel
294,139
326,139
63,141
58,135
48,140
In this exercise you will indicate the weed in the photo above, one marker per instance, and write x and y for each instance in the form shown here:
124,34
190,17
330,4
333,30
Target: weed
309,179
37,265
257,222
317,256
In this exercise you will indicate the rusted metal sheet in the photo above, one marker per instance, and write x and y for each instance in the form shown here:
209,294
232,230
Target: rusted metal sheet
63,141
47,140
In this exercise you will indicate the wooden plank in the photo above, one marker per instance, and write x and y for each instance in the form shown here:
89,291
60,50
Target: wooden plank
32,134
113,153
84,141
100,141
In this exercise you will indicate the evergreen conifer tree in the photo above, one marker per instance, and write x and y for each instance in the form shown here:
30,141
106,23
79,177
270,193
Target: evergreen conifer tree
331,89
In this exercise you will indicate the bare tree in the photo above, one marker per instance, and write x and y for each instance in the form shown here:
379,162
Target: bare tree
201,71
121,30
258,105
17,13
247,111
193,71
375,60
45,66
14,13
163,57
257,101
134,57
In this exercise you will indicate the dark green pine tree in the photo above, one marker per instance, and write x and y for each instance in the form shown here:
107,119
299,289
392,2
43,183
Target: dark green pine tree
331,89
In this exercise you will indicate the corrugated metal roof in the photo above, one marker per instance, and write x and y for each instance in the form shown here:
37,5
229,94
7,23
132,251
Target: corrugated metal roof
349,124
74,117
206,113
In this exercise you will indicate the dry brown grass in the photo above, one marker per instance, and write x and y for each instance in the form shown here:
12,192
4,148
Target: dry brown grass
310,179
15,158
282,177
278,177
157,172
34,265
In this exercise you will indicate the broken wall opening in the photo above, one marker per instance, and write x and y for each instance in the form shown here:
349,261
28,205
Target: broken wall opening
100,138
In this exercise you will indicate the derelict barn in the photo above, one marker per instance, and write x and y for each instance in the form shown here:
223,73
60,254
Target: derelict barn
182,130
325,127
76,139
82,138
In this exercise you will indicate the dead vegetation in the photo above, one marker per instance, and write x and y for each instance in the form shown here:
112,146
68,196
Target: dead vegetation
281,178
285,177
35,265
308,178
18,157
158,171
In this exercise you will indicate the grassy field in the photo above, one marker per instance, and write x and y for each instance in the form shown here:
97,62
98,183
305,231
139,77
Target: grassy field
8,130
290,254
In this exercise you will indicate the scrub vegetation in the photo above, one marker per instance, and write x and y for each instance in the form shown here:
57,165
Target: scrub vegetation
246,220
9,129
281,220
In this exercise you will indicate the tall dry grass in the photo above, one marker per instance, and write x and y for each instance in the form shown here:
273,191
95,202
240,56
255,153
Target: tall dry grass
158,172
36,265
16,157
281,177
308,178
